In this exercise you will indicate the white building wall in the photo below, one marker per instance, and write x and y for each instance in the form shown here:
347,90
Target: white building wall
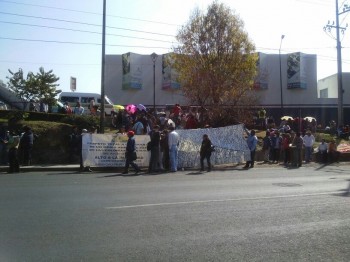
114,78
271,96
330,84
299,97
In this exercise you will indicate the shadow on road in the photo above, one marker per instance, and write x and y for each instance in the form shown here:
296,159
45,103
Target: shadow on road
345,192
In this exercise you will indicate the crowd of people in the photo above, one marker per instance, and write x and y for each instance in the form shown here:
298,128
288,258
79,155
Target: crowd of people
286,142
282,143
164,140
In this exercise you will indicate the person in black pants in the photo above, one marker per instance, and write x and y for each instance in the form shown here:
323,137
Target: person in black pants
12,144
26,145
205,152
130,153
155,147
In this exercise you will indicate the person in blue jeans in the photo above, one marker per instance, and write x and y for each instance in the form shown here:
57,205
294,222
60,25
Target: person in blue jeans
173,141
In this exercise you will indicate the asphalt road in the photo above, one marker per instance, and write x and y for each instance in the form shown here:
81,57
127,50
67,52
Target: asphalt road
263,214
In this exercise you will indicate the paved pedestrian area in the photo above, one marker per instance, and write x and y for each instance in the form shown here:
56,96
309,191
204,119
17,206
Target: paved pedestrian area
75,167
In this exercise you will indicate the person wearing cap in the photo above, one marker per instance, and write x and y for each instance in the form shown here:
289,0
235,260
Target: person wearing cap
130,153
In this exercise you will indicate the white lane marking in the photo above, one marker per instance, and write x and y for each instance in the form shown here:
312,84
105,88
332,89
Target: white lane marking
221,200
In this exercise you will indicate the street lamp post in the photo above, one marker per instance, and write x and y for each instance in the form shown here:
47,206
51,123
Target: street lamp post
282,36
154,59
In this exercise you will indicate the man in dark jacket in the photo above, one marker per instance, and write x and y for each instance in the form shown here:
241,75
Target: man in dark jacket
130,153
26,145
205,152
155,147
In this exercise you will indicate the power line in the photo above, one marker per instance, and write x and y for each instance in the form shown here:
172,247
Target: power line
75,43
87,12
84,31
46,63
83,23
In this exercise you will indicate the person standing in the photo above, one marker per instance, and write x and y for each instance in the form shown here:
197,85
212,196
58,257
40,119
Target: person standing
26,145
164,150
298,143
82,168
277,147
308,141
92,107
78,109
138,127
252,141
74,144
266,147
333,153
130,153
322,151
12,145
173,141
155,149
68,110
205,152
286,140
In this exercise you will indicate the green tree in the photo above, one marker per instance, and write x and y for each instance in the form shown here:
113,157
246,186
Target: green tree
216,62
38,87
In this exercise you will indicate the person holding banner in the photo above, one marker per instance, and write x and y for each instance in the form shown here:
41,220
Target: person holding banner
130,154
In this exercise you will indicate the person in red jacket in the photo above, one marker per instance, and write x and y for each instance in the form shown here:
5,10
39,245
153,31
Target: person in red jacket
191,122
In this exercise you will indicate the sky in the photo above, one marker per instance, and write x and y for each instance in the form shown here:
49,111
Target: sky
66,36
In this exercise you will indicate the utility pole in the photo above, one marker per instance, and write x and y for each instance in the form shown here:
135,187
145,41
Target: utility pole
328,28
102,115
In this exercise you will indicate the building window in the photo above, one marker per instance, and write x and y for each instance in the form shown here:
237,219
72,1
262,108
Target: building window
324,93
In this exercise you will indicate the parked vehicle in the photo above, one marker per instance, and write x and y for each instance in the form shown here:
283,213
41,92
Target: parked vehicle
85,98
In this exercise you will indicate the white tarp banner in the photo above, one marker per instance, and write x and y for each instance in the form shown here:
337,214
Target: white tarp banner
109,150
230,145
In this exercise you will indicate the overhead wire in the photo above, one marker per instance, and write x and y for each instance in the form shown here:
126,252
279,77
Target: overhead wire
84,31
98,25
83,23
88,12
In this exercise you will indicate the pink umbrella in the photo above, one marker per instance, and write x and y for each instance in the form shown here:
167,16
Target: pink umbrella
131,108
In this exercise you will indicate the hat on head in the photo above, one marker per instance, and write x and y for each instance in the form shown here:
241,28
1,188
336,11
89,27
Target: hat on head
131,133
84,130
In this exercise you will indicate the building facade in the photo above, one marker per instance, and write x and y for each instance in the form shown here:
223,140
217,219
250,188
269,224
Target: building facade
136,79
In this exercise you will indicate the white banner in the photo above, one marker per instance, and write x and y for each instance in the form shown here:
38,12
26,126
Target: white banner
109,150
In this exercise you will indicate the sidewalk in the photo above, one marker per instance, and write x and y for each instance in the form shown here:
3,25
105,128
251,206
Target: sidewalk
75,167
